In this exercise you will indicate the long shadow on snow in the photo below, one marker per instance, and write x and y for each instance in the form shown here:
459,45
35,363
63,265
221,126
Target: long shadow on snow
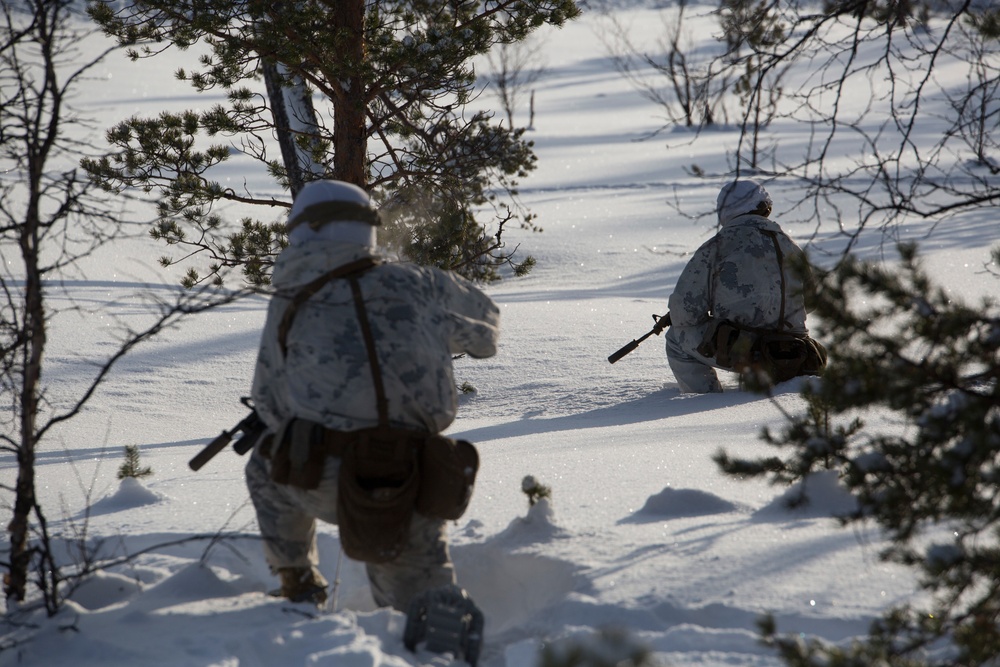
64,455
640,285
656,406
766,565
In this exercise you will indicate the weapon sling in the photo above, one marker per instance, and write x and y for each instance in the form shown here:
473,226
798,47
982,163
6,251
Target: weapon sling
781,274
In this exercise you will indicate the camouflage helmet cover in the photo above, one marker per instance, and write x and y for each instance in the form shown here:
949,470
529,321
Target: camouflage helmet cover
327,201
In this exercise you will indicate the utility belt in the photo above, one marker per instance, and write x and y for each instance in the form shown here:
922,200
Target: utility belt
781,355
386,474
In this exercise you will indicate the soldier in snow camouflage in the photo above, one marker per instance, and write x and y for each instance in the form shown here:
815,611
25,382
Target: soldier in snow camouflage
419,318
743,274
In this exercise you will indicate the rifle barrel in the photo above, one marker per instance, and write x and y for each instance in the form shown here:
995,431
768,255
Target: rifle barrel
622,352
210,450
661,324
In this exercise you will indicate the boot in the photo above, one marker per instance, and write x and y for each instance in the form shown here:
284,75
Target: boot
303,584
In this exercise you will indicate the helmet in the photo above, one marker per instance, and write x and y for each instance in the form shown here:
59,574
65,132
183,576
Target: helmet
321,202
742,197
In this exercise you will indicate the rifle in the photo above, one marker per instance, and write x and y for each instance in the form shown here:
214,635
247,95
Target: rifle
252,427
661,324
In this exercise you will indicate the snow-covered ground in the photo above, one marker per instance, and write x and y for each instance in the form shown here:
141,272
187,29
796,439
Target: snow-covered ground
642,533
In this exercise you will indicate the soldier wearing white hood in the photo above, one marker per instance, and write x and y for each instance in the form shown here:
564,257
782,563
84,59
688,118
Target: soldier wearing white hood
738,287
314,368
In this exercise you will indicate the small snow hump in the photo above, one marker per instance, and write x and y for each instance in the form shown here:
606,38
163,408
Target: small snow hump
819,495
131,493
679,503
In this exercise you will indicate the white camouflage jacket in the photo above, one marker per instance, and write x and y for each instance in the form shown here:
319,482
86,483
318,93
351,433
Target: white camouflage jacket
419,316
736,276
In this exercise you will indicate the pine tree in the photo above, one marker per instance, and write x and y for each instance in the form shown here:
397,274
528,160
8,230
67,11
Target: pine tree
901,344
535,490
392,81
130,467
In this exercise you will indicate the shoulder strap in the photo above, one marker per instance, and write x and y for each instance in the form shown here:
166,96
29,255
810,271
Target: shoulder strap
366,330
781,274
351,268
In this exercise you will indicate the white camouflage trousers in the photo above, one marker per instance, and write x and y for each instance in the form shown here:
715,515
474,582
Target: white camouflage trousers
694,372
287,518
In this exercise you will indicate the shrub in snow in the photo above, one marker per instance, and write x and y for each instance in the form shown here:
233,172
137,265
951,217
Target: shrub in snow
607,648
131,467
535,490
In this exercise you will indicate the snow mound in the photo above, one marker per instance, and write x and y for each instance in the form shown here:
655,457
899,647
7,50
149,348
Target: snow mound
131,493
197,582
677,503
104,589
824,496
538,525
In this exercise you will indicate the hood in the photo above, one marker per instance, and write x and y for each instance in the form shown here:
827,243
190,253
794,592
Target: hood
740,198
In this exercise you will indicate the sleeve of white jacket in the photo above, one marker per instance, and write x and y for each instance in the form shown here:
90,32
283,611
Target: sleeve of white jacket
473,317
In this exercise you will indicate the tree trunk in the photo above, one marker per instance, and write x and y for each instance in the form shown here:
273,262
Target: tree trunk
294,116
349,145
15,583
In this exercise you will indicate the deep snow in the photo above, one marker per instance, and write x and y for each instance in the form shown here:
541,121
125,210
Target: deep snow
642,533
